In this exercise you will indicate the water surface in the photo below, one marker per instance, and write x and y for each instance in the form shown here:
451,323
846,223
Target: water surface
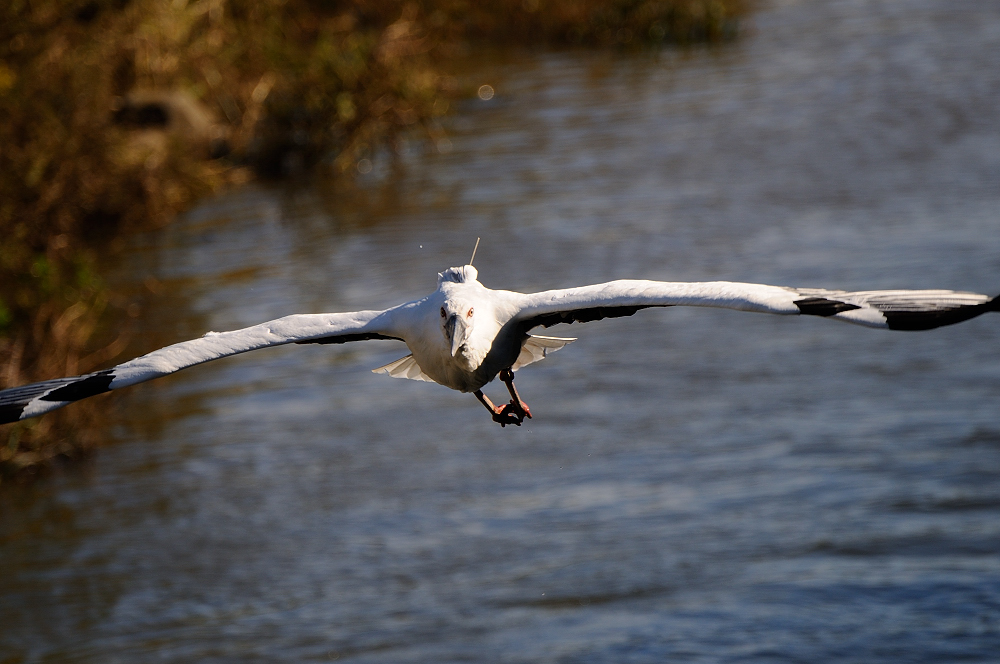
696,486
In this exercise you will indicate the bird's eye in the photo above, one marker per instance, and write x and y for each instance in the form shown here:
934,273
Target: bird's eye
443,315
469,315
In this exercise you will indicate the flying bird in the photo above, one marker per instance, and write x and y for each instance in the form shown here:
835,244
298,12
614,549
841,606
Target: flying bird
463,335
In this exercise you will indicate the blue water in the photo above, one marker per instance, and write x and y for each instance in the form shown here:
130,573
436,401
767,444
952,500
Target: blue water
696,486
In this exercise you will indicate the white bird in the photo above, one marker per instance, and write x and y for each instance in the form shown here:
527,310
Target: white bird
463,335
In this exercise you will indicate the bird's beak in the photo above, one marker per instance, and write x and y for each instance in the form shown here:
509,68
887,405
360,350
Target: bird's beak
458,332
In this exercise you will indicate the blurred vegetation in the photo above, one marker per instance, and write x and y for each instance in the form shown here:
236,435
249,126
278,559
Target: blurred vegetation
115,114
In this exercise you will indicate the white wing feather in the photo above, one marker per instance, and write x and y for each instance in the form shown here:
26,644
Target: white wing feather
629,292
297,328
26,401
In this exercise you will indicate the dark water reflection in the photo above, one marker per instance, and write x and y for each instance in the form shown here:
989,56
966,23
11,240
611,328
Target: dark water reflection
696,486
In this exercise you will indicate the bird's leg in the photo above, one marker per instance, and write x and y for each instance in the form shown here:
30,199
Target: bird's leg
505,414
517,405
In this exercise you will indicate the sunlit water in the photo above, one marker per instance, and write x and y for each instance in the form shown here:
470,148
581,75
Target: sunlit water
696,485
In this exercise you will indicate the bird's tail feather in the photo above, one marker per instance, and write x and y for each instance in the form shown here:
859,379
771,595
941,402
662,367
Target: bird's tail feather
536,347
404,367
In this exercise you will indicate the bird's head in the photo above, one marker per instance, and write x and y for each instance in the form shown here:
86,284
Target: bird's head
467,316
459,275
458,321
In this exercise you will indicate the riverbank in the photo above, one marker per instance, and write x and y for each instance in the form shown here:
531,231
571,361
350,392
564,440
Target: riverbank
119,114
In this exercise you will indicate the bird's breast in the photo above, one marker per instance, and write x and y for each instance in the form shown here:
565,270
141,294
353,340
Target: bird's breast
450,373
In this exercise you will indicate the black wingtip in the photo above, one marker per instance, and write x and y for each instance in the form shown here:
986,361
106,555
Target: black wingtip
10,413
928,320
821,306
83,387
14,400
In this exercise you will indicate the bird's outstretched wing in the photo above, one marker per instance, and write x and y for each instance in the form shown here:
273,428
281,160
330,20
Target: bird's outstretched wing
889,309
20,403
